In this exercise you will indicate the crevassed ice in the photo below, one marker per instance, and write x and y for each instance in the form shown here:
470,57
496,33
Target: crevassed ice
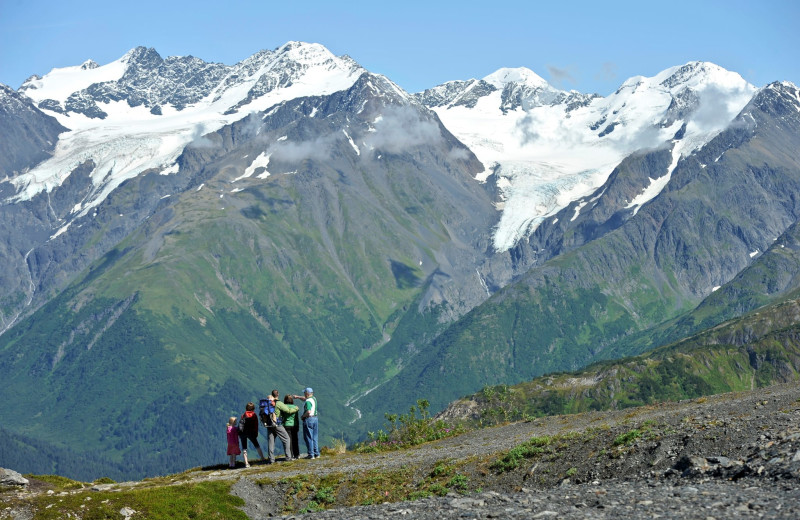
550,157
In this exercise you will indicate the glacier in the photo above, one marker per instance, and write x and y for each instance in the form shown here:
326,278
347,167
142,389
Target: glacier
555,148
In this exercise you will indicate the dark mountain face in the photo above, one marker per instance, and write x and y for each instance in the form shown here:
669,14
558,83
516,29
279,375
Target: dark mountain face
47,239
27,135
248,277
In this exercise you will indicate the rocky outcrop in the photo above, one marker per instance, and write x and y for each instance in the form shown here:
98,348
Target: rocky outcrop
27,135
9,477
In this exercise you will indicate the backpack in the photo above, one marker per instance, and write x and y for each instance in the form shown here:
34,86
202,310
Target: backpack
267,413
241,425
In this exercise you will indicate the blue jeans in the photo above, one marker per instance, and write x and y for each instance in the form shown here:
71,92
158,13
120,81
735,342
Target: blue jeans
311,436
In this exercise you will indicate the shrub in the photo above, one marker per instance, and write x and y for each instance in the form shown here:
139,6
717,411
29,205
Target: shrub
408,430
627,438
529,449
458,482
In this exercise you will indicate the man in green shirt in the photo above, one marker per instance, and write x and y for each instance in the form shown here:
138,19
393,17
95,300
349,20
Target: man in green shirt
282,411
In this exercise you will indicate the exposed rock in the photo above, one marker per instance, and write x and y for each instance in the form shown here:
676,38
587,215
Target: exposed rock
9,477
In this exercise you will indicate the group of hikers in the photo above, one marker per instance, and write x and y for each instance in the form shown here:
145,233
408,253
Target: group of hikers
282,420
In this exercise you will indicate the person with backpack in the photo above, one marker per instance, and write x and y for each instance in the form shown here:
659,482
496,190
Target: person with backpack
273,415
248,429
310,423
292,425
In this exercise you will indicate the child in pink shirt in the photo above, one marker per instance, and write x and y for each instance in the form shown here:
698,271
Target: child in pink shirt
233,442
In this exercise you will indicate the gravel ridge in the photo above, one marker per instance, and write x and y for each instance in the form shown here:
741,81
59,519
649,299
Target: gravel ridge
727,456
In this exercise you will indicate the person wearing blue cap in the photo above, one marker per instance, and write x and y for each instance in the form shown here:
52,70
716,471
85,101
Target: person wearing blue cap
310,422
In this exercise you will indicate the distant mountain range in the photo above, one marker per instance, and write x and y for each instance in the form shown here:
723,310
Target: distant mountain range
180,237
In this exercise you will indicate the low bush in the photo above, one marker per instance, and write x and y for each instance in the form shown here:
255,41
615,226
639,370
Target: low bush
408,430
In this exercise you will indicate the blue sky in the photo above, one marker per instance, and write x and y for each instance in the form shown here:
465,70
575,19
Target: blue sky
588,46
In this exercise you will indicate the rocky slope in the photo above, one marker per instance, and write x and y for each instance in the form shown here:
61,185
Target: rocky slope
730,455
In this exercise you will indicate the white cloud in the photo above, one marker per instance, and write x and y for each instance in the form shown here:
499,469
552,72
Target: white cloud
401,128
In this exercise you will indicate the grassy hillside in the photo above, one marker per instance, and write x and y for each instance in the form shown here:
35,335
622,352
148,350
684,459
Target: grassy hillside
186,334
241,285
753,351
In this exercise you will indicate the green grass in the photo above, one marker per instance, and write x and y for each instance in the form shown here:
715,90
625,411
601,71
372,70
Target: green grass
309,493
187,501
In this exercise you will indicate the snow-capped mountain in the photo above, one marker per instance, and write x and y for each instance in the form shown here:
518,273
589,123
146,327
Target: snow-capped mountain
138,113
542,147
547,147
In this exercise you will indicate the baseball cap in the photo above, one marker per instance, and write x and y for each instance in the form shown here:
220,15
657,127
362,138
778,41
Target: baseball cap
308,390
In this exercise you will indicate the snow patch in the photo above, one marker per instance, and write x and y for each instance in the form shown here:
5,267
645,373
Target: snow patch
60,83
481,280
61,231
262,161
350,140
578,211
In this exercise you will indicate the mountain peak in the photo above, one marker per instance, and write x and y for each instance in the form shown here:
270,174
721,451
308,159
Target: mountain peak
303,51
698,74
786,86
142,54
175,91
89,65
502,77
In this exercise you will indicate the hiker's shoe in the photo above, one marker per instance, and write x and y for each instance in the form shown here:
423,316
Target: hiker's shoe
247,465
